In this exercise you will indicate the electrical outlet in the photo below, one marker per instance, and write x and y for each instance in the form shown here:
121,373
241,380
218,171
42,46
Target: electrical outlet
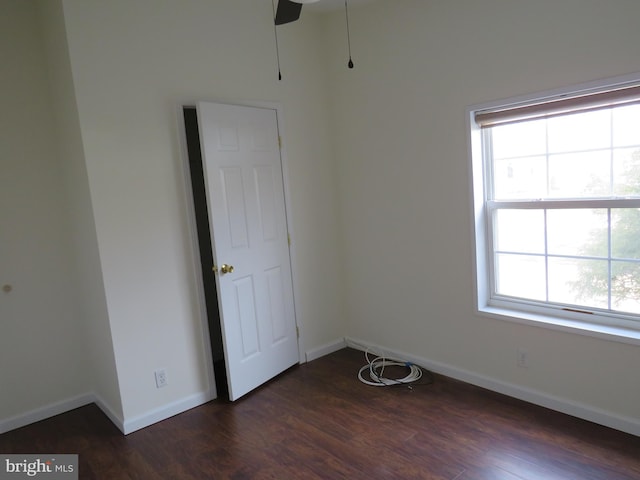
161,378
523,358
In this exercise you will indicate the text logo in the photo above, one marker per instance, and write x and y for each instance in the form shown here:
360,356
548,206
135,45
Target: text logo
50,467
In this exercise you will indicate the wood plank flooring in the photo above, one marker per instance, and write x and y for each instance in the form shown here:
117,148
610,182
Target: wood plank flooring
317,421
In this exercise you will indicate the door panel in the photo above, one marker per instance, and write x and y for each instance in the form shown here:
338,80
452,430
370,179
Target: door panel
245,197
277,312
235,210
267,200
246,304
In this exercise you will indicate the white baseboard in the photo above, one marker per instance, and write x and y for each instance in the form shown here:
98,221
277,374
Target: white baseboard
45,412
165,411
125,426
109,412
325,349
570,407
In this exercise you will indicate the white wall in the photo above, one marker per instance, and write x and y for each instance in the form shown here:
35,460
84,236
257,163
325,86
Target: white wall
42,343
89,297
401,143
132,64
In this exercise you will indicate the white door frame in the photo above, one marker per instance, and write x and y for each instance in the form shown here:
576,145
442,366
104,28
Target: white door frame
193,234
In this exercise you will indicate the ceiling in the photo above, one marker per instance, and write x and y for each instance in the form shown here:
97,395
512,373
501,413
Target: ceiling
325,6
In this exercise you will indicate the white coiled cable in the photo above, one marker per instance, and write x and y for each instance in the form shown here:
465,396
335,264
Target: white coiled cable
377,378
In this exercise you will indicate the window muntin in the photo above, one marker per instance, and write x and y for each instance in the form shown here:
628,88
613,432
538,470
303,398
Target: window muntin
562,198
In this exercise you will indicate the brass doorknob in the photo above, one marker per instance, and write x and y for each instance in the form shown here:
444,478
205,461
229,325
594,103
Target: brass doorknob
224,268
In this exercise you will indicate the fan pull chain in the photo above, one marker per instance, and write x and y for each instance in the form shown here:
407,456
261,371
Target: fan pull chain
346,14
275,33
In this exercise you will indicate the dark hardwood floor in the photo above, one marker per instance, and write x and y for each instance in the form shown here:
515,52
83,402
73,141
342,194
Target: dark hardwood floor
318,421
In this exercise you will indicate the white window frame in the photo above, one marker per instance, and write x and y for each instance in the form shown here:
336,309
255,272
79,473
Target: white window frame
599,324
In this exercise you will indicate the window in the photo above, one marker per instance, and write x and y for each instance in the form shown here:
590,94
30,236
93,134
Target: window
557,203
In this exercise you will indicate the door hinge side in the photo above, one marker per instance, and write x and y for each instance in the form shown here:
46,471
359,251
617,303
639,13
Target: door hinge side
289,238
297,331
279,142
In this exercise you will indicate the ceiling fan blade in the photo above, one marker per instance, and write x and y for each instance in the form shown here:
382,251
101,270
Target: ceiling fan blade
288,11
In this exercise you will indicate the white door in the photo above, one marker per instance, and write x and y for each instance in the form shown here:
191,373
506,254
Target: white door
249,237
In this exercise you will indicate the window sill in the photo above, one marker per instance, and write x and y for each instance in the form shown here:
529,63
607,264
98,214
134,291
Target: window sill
606,332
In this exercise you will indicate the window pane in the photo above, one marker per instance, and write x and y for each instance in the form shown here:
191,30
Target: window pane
519,139
519,231
580,131
520,276
626,171
625,233
581,232
583,174
545,247
625,126
517,178
625,286
570,282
